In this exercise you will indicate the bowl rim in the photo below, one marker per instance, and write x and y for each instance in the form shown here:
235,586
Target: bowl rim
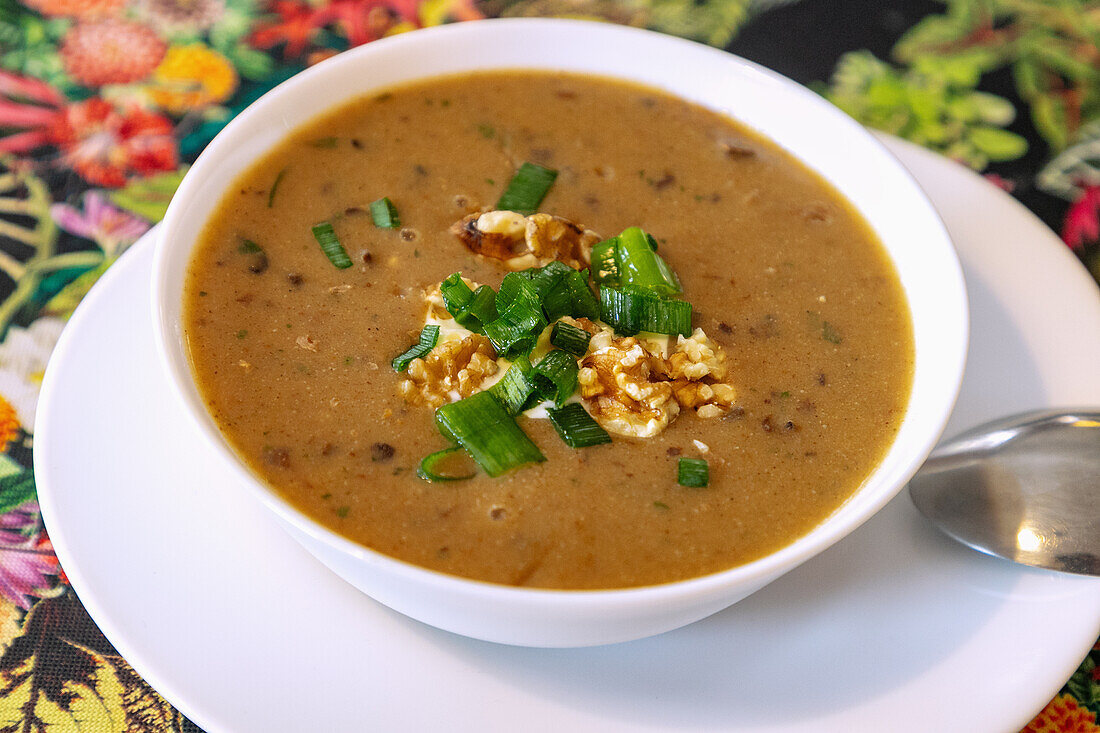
762,570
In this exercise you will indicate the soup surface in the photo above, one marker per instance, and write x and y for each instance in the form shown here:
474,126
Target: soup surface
292,355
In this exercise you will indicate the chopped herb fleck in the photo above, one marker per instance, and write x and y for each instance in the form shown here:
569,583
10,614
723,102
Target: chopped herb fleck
660,506
326,496
324,142
242,333
343,511
486,130
490,181
348,360
274,188
830,334
202,293
784,394
247,246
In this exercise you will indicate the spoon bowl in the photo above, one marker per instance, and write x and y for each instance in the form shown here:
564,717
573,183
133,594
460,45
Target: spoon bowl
1025,488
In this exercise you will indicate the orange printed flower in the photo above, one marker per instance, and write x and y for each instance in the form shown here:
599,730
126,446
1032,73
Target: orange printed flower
76,8
110,51
1063,715
191,77
9,424
107,146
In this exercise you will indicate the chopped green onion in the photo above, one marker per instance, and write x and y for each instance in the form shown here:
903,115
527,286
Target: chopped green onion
576,427
275,187
605,262
556,375
630,311
482,426
517,384
428,337
480,309
247,246
517,285
515,330
569,338
527,189
641,267
384,214
693,473
456,293
561,291
520,319
430,469
585,304
330,245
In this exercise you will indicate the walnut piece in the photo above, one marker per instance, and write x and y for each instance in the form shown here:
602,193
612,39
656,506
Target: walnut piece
521,242
631,387
619,389
454,369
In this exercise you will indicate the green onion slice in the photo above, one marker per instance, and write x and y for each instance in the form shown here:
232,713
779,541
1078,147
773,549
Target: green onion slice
641,267
556,375
482,426
436,466
568,337
576,427
520,321
480,309
330,245
605,262
517,286
384,214
693,473
527,189
629,311
456,293
516,386
515,330
428,337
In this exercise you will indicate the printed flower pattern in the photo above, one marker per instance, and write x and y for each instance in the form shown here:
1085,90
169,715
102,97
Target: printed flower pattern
23,356
110,51
177,17
27,563
192,77
103,103
107,146
111,228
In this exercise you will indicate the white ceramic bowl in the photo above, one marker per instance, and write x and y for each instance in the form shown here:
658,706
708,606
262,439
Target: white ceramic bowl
815,132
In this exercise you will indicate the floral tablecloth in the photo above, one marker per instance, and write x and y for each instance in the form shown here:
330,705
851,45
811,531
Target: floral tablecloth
103,104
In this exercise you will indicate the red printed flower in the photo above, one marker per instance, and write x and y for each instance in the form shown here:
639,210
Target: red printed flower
1082,222
359,21
28,108
106,146
295,27
111,51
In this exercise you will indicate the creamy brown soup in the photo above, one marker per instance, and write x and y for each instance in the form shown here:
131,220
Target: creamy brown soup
292,355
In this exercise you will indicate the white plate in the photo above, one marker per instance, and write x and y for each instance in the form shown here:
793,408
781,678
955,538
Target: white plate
895,628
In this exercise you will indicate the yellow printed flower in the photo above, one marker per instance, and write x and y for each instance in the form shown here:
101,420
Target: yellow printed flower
191,77
1063,715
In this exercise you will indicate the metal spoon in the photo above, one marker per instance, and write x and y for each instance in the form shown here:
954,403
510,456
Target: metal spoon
1025,488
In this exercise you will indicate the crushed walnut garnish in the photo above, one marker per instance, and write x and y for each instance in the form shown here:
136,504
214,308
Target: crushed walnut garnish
526,241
